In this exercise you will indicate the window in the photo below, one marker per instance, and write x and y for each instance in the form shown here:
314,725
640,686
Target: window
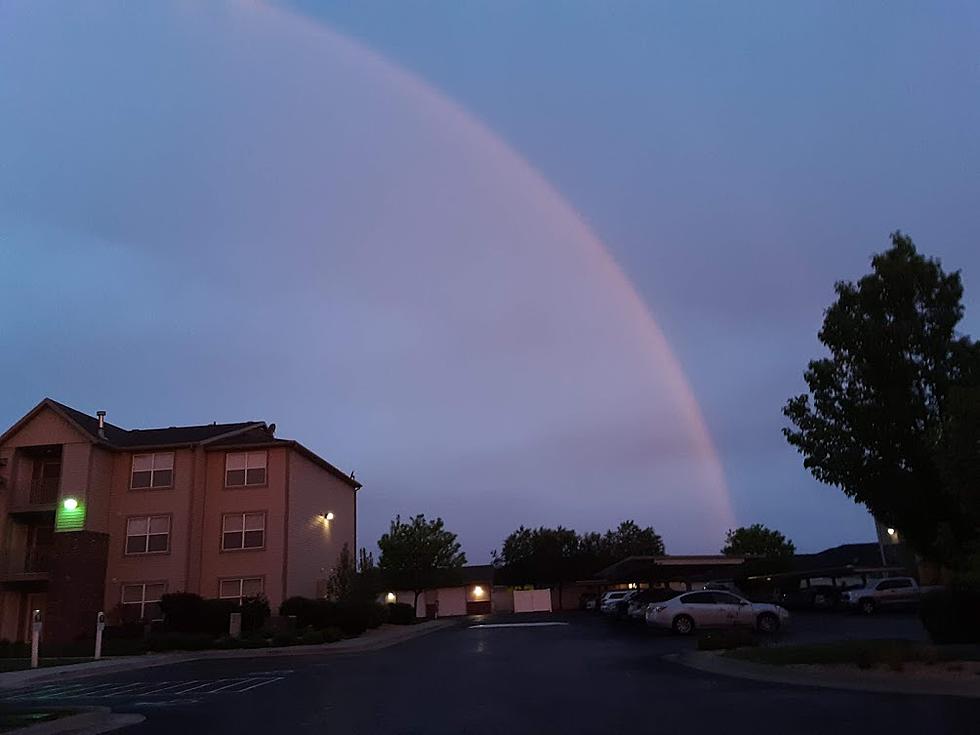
699,598
243,531
724,598
152,470
142,600
894,584
148,535
245,468
236,589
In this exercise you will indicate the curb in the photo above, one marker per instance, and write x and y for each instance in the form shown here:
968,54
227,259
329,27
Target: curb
366,644
90,720
713,663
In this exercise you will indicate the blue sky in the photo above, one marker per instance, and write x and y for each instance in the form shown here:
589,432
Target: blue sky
736,160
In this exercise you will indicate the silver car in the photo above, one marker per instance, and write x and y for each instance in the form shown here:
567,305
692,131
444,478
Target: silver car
713,609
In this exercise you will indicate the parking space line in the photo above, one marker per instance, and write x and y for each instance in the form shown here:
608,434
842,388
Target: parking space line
260,684
519,625
234,683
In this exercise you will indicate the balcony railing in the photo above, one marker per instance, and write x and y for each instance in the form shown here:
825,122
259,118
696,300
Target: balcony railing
29,562
43,492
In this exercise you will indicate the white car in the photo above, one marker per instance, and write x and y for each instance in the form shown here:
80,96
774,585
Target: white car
611,599
713,609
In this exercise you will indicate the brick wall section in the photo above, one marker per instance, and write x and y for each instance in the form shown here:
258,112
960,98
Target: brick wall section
77,587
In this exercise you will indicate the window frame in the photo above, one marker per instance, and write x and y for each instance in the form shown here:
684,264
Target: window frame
241,587
245,483
244,515
143,601
153,470
148,518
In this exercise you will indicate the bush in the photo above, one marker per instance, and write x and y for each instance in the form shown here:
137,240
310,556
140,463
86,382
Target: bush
332,635
14,650
951,616
185,612
176,641
351,617
312,637
401,613
255,611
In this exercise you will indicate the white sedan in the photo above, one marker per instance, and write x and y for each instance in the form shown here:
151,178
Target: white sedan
711,609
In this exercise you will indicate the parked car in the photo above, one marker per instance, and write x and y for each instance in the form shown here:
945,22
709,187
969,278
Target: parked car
610,600
636,608
818,597
689,611
883,593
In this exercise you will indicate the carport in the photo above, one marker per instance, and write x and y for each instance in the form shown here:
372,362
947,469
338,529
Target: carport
680,573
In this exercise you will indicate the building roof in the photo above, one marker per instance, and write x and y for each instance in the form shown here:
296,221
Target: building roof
664,568
242,434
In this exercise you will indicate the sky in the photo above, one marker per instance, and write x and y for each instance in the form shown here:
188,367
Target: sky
514,263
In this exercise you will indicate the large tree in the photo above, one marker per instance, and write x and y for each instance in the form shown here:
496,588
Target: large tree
418,553
759,542
556,556
878,420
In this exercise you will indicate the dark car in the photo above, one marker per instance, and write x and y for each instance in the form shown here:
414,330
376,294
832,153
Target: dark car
818,597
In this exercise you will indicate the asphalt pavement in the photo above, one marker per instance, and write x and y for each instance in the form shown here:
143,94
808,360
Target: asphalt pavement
579,675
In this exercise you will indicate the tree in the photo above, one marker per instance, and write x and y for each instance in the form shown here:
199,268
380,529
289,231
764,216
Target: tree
342,579
556,556
630,540
757,541
415,553
877,420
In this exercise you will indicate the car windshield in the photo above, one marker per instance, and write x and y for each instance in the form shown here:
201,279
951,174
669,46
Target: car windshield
489,366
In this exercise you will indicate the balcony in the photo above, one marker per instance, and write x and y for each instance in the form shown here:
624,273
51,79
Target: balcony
37,497
30,565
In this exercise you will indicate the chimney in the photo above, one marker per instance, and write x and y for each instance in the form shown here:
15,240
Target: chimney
101,415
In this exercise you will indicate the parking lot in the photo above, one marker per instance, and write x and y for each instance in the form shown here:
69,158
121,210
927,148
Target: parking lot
578,674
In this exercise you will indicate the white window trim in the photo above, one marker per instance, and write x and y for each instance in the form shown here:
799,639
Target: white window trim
148,519
153,470
241,587
247,467
143,600
244,515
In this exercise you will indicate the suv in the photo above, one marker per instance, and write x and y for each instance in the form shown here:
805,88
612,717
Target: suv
889,592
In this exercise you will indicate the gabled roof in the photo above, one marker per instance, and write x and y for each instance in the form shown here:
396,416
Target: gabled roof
240,434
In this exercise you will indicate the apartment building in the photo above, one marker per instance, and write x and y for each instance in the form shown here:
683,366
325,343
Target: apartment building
95,517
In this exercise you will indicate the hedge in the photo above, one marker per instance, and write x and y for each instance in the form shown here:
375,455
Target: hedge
185,612
951,616
401,613
351,617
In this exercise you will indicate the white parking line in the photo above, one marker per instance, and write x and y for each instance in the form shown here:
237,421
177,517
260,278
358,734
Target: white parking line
518,625
234,683
260,684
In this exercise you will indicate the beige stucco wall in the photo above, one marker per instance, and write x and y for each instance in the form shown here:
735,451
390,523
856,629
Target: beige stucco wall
267,563
452,601
124,503
315,545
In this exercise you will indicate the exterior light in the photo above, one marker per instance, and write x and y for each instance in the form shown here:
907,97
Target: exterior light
70,504
390,597
328,516
891,531
478,591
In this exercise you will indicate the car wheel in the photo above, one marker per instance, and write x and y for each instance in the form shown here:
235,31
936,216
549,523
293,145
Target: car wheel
683,625
768,623
867,606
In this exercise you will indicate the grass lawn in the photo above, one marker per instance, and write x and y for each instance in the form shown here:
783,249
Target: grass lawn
19,664
863,654
14,720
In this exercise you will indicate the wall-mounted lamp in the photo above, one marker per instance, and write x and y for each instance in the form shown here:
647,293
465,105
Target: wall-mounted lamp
328,516
478,591
390,597
70,504
891,531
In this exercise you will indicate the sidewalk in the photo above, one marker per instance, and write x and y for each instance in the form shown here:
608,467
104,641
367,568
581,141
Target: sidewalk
372,640
861,681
